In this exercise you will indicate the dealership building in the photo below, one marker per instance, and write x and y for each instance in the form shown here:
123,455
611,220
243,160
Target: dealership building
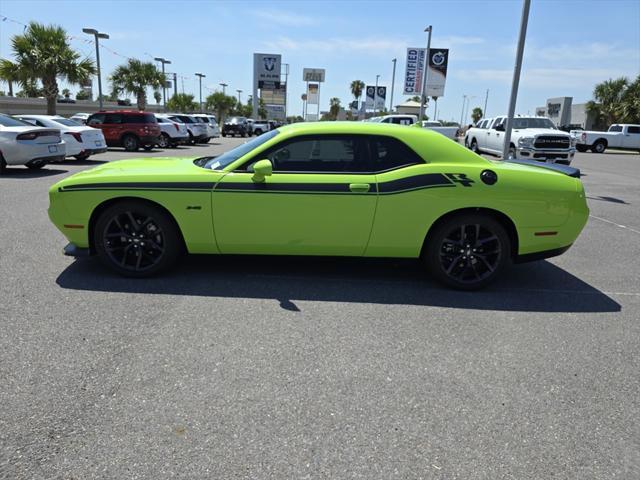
564,113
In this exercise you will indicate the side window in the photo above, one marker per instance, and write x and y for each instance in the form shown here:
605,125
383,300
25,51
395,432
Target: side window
96,119
633,130
402,120
389,153
387,120
322,153
113,118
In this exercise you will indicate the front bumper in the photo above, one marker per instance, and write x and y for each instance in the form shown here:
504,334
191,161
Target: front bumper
546,155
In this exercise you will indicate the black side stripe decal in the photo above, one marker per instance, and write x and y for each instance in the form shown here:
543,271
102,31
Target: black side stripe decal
417,182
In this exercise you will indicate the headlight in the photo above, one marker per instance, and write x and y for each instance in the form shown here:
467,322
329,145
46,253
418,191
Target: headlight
525,141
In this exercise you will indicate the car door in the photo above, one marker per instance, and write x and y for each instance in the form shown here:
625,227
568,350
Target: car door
631,137
495,137
320,200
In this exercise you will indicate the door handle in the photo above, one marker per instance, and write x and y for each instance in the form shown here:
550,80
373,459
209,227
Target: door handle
359,187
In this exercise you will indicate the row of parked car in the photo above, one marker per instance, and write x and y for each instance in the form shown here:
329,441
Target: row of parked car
36,140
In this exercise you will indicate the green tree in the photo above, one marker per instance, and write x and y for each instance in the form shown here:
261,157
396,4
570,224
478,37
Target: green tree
43,53
357,86
157,96
10,73
609,95
134,78
30,89
83,95
631,102
334,108
476,114
182,102
66,93
221,104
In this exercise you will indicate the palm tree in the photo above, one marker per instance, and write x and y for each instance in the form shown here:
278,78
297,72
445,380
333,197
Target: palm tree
631,102
476,114
609,95
357,86
134,78
9,73
43,53
334,107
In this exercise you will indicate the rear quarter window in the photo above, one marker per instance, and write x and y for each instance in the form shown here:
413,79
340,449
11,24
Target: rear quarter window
390,153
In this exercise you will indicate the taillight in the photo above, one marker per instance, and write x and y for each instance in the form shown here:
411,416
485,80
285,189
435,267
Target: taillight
40,133
75,135
27,136
177,127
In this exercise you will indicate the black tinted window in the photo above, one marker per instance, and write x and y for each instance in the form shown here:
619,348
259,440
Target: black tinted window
389,153
402,120
113,118
322,153
146,118
96,119
634,129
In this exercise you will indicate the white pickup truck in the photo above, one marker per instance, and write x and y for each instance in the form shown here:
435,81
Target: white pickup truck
449,132
532,138
622,136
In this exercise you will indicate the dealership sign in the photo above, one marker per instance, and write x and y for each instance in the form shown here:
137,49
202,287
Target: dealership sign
313,94
438,62
413,72
375,97
313,75
266,69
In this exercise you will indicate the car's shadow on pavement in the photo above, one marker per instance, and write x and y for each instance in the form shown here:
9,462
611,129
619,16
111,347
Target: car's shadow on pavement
534,287
84,162
24,173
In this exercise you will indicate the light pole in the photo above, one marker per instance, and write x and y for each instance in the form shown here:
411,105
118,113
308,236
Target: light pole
97,35
425,73
486,99
164,81
516,77
200,77
239,92
464,100
224,86
466,113
375,95
393,83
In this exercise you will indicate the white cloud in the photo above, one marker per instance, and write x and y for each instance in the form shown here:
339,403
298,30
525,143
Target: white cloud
288,19
373,45
456,40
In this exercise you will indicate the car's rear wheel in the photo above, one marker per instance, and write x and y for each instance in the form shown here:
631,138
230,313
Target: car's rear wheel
130,143
467,252
598,147
474,146
165,141
192,140
136,239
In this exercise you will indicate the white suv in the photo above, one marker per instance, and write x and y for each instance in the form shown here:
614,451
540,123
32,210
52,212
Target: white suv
172,132
213,130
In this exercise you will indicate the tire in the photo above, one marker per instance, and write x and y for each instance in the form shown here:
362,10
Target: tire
165,141
258,132
35,166
581,148
155,236
192,141
148,148
3,165
474,146
130,143
599,147
458,257
82,157
513,154
223,134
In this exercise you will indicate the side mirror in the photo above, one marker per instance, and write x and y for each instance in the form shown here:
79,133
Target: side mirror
262,169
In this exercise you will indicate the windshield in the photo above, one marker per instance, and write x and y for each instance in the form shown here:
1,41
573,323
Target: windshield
7,121
522,123
221,161
67,122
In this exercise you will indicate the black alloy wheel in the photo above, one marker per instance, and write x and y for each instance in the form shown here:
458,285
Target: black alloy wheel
468,252
130,143
136,239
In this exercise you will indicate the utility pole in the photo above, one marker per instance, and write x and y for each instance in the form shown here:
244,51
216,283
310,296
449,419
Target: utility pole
164,81
425,74
466,113
286,87
224,86
486,99
200,77
239,92
375,96
464,100
393,83
175,84
516,77
97,35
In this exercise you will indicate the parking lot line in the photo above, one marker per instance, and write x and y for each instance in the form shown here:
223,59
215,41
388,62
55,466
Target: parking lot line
614,223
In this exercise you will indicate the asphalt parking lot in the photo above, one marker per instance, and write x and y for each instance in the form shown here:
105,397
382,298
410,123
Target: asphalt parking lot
305,368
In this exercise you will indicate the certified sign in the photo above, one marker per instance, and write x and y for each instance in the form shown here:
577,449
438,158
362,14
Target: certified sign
414,71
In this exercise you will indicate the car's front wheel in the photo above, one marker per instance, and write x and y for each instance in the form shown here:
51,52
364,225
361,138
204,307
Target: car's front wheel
136,239
467,252
599,147
130,143
165,141
474,146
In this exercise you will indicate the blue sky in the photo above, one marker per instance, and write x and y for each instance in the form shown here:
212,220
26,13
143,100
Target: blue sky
571,45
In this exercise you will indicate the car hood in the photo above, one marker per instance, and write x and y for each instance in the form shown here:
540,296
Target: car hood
143,170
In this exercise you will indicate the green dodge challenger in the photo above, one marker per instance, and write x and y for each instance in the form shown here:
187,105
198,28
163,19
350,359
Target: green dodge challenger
334,188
